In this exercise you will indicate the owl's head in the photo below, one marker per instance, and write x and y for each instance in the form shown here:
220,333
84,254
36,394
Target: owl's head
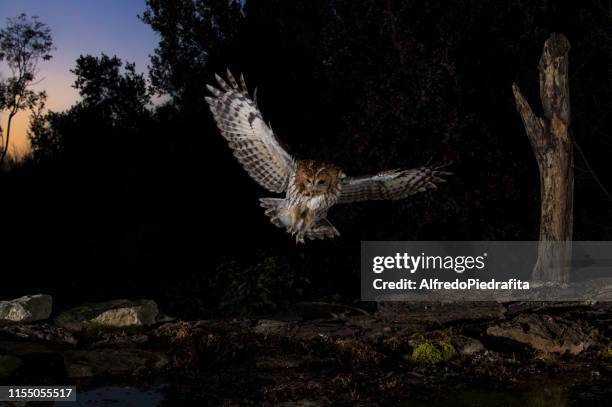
315,178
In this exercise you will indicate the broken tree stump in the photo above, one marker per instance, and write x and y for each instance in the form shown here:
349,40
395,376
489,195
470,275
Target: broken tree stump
551,142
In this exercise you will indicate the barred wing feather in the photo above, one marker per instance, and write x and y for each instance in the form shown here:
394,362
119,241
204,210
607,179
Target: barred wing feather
252,141
390,185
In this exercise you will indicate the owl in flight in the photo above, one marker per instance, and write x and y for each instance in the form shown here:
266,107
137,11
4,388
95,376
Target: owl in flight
310,187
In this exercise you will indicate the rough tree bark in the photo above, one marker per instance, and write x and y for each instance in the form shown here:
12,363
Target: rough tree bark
551,142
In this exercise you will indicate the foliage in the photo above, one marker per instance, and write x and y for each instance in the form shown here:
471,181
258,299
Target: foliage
190,33
138,192
262,288
101,83
24,43
113,100
429,354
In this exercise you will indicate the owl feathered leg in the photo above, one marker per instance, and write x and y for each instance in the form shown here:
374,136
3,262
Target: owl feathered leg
282,217
276,209
297,223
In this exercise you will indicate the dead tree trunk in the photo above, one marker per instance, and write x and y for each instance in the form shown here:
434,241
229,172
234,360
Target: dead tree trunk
551,142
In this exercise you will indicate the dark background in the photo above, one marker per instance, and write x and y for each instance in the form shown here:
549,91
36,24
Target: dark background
121,198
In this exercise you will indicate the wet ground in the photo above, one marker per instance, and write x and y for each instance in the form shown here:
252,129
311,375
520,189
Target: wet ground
482,355
543,392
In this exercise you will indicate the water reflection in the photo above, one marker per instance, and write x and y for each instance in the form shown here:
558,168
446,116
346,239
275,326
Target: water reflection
545,395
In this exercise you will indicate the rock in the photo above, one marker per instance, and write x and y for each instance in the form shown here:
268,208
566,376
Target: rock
324,310
26,309
299,403
120,342
163,318
23,348
467,346
45,333
277,362
270,327
595,289
543,333
435,314
8,364
110,362
547,307
110,314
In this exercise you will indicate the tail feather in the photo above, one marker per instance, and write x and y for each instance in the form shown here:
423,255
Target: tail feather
276,210
323,230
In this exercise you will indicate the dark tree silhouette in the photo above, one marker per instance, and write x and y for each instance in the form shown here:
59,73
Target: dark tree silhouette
101,83
190,32
129,188
24,43
114,97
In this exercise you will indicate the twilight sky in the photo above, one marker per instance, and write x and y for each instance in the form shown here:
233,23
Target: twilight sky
79,27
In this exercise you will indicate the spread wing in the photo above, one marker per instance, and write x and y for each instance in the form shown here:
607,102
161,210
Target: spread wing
391,185
252,141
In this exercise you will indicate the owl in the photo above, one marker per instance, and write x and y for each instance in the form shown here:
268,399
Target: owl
310,187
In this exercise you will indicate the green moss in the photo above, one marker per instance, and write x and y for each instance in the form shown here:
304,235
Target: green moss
428,354
511,361
8,364
448,351
606,354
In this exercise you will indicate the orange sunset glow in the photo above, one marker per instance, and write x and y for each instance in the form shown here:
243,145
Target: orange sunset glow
78,28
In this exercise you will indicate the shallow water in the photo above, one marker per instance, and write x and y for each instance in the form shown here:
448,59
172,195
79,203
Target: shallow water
119,396
544,394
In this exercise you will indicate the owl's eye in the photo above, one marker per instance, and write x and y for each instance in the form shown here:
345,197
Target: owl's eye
321,182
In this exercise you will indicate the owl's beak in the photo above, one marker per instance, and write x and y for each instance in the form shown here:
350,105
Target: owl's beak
317,187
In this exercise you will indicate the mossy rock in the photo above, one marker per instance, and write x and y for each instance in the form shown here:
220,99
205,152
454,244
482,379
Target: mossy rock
426,353
606,354
8,364
448,351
